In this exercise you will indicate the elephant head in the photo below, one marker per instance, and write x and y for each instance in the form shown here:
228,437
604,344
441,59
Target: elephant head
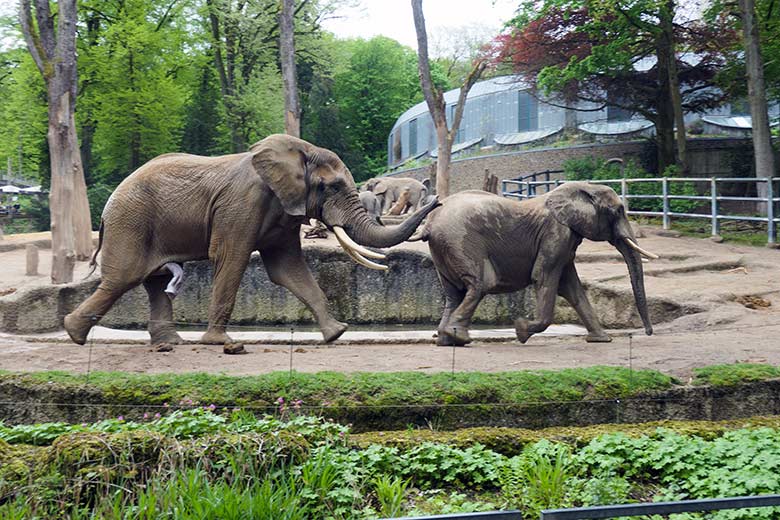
313,182
596,212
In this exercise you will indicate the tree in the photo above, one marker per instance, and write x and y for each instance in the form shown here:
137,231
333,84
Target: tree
377,85
762,143
434,97
292,110
620,53
54,52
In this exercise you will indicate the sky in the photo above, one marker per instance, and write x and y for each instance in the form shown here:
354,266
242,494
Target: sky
393,18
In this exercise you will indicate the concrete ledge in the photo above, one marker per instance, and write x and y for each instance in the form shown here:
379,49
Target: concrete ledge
409,292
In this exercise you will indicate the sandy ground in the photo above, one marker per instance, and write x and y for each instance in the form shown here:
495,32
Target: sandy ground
693,271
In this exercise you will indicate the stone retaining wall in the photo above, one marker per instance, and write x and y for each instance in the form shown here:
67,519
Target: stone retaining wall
409,292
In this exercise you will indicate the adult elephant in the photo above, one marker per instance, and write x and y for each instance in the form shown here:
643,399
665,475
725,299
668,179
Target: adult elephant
181,207
389,189
482,243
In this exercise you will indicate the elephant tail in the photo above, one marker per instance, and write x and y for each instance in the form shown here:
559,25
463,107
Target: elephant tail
93,261
422,233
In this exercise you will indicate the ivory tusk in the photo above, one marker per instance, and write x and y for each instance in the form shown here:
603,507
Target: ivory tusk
347,242
636,247
354,255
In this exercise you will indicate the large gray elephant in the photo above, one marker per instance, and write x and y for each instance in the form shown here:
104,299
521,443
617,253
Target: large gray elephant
482,243
180,207
388,190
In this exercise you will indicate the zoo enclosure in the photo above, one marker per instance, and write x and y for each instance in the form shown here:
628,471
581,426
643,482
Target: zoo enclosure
624,510
529,186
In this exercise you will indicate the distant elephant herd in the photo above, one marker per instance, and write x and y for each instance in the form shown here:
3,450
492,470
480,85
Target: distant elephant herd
180,207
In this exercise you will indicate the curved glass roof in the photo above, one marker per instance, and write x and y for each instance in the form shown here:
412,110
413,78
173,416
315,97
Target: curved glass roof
481,88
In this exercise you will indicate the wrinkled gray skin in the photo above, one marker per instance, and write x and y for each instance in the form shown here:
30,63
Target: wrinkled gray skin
486,244
181,207
388,190
371,203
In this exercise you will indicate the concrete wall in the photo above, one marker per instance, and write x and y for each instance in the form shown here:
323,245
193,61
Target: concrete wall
409,292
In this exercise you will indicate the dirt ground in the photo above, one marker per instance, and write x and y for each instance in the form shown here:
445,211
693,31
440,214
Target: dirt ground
720,279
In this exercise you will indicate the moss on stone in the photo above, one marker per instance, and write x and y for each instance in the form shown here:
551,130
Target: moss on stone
511,441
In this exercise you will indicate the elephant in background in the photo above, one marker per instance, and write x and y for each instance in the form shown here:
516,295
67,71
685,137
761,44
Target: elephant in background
483,243
388,190
180,207
371,203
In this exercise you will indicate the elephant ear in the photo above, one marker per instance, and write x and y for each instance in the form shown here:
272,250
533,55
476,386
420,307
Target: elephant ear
281,161
574,207
380,188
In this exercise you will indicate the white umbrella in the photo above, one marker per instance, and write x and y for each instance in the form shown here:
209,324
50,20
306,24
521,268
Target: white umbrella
8,188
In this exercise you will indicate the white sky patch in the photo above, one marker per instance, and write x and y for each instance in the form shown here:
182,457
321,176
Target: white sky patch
393,18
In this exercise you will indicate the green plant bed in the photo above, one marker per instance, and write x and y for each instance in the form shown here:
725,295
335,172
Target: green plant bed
198,464
700,228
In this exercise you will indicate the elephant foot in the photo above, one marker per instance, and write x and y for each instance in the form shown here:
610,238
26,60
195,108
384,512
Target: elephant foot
333,331
598,338
165,336
521,330
215,337
78,327
453,337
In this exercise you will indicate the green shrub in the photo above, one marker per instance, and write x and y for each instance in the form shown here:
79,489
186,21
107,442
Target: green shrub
98,195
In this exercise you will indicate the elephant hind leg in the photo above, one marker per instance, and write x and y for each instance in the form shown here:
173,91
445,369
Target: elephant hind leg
79,322
460,319
453,298
161,328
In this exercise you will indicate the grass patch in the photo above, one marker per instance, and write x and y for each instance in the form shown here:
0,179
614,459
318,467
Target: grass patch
732,375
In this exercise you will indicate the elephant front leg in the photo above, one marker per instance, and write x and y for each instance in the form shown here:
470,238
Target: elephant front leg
286,267
546,291
160,327
227,278
574,293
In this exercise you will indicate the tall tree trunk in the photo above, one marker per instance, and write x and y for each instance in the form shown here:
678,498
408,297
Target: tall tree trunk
292,110
434,97
762,143
54,53
664,119
667,27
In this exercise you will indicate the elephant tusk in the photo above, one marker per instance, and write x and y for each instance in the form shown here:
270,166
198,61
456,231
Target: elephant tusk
636,247
348,243
417,236
354,255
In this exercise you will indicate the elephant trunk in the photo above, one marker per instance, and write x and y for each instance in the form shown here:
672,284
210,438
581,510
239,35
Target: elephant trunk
634,263
350,214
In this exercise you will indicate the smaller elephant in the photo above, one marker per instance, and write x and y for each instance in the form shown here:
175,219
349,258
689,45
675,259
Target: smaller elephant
483,243
371,203
402,205
389,189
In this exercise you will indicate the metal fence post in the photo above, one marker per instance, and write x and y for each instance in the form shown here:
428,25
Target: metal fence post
624,193
770,210
665,194
714,206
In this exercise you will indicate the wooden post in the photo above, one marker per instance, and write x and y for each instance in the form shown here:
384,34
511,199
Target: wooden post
32,260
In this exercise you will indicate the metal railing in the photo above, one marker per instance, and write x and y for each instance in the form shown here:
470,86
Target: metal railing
525,189
623,510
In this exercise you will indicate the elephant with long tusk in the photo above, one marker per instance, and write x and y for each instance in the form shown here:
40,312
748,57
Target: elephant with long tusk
181,207
485,244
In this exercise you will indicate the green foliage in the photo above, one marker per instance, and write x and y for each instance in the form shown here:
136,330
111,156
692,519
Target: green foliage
732,375
590,168
98,195
390,494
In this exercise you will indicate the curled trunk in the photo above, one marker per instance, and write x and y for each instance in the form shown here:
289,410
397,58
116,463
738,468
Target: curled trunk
350,214
636,273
